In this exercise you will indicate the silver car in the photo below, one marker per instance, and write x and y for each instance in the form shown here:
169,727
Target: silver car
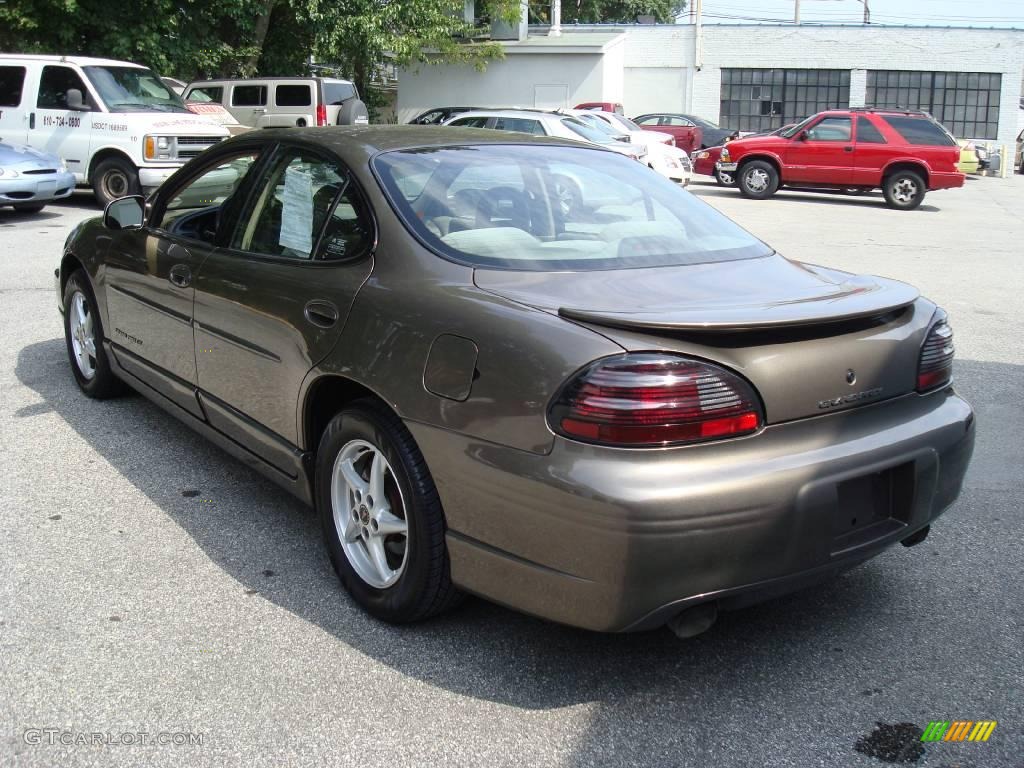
29,179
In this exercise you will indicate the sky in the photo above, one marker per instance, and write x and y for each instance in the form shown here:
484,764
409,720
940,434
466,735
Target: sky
978,13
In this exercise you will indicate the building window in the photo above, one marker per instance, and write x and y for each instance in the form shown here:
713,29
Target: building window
967,103
765,99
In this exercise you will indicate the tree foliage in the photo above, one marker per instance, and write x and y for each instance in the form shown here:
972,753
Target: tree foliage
191,39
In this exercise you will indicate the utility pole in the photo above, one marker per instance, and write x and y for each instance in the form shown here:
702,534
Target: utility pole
796,11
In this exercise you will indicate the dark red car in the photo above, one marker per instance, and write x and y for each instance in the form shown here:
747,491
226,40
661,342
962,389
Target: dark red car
905,153
705,160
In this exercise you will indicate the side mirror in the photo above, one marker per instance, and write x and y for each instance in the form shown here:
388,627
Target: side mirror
124,213
802,136
73,98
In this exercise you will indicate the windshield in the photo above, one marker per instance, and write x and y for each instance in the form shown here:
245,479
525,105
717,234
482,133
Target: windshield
586,131
793,131
133,89
553,208
600,125
623,122
702,122
337,91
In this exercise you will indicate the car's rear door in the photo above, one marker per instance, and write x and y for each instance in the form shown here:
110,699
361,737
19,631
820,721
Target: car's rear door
248,103
273,303
149,275
822,154
871,151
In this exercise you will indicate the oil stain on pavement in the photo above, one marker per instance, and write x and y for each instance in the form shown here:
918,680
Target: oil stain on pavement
892,743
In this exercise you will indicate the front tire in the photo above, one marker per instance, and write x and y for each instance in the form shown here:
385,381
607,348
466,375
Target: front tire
725,179
29,207
83,335
904,190
115,178
381,516
758,180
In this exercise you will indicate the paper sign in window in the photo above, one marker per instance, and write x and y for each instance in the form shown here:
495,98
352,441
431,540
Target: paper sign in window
297,211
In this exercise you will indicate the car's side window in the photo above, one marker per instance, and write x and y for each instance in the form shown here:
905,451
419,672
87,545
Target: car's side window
194,209
471,122
12,80
519,124
213,93
349,230
249,96
54,86
647,121
293,95
867,133
293,202
830,129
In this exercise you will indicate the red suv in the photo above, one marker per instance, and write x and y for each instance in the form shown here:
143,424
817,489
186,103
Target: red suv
904,153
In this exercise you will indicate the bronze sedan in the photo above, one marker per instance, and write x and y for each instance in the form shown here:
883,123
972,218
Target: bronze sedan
522,368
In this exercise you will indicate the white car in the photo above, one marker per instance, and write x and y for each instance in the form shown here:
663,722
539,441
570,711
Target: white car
546,123
662,154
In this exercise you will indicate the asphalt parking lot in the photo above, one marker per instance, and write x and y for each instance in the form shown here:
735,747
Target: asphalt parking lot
151,584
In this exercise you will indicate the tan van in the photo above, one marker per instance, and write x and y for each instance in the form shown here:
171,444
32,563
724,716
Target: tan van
283,102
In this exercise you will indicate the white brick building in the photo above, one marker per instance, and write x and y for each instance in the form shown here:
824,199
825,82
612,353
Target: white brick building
747,76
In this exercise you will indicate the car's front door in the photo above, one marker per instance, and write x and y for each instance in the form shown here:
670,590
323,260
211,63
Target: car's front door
56,128
273,303
149,276
822,153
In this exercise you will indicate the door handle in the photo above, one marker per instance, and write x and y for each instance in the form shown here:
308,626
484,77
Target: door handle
31,119
259,109
322,314
180,275
847,149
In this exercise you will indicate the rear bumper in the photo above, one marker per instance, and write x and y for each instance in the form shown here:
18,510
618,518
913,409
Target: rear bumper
938,180
617,540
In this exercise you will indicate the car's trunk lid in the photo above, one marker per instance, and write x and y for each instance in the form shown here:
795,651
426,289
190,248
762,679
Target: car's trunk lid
799,333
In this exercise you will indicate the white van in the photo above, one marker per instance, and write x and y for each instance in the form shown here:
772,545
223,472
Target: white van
116,125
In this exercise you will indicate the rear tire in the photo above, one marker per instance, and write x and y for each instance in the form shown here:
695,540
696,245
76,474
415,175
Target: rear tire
389,552
904,190
758,180
83,336
115,178
29,207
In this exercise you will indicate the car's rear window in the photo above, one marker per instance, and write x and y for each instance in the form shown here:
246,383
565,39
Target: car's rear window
337,92
553,208
920,130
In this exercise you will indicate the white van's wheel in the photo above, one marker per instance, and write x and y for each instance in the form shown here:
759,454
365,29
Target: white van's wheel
114,178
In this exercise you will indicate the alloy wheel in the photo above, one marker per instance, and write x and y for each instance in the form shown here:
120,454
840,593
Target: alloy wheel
83,335
904,190
369,514
757,180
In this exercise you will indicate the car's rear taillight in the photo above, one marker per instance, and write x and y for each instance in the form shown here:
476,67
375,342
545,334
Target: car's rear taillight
935,367
321,114
653,400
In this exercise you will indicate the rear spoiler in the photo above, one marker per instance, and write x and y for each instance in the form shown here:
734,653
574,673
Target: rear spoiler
860,301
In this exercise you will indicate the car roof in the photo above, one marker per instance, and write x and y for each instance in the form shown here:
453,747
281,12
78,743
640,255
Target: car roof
82,61
361,142
310,78
524,113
